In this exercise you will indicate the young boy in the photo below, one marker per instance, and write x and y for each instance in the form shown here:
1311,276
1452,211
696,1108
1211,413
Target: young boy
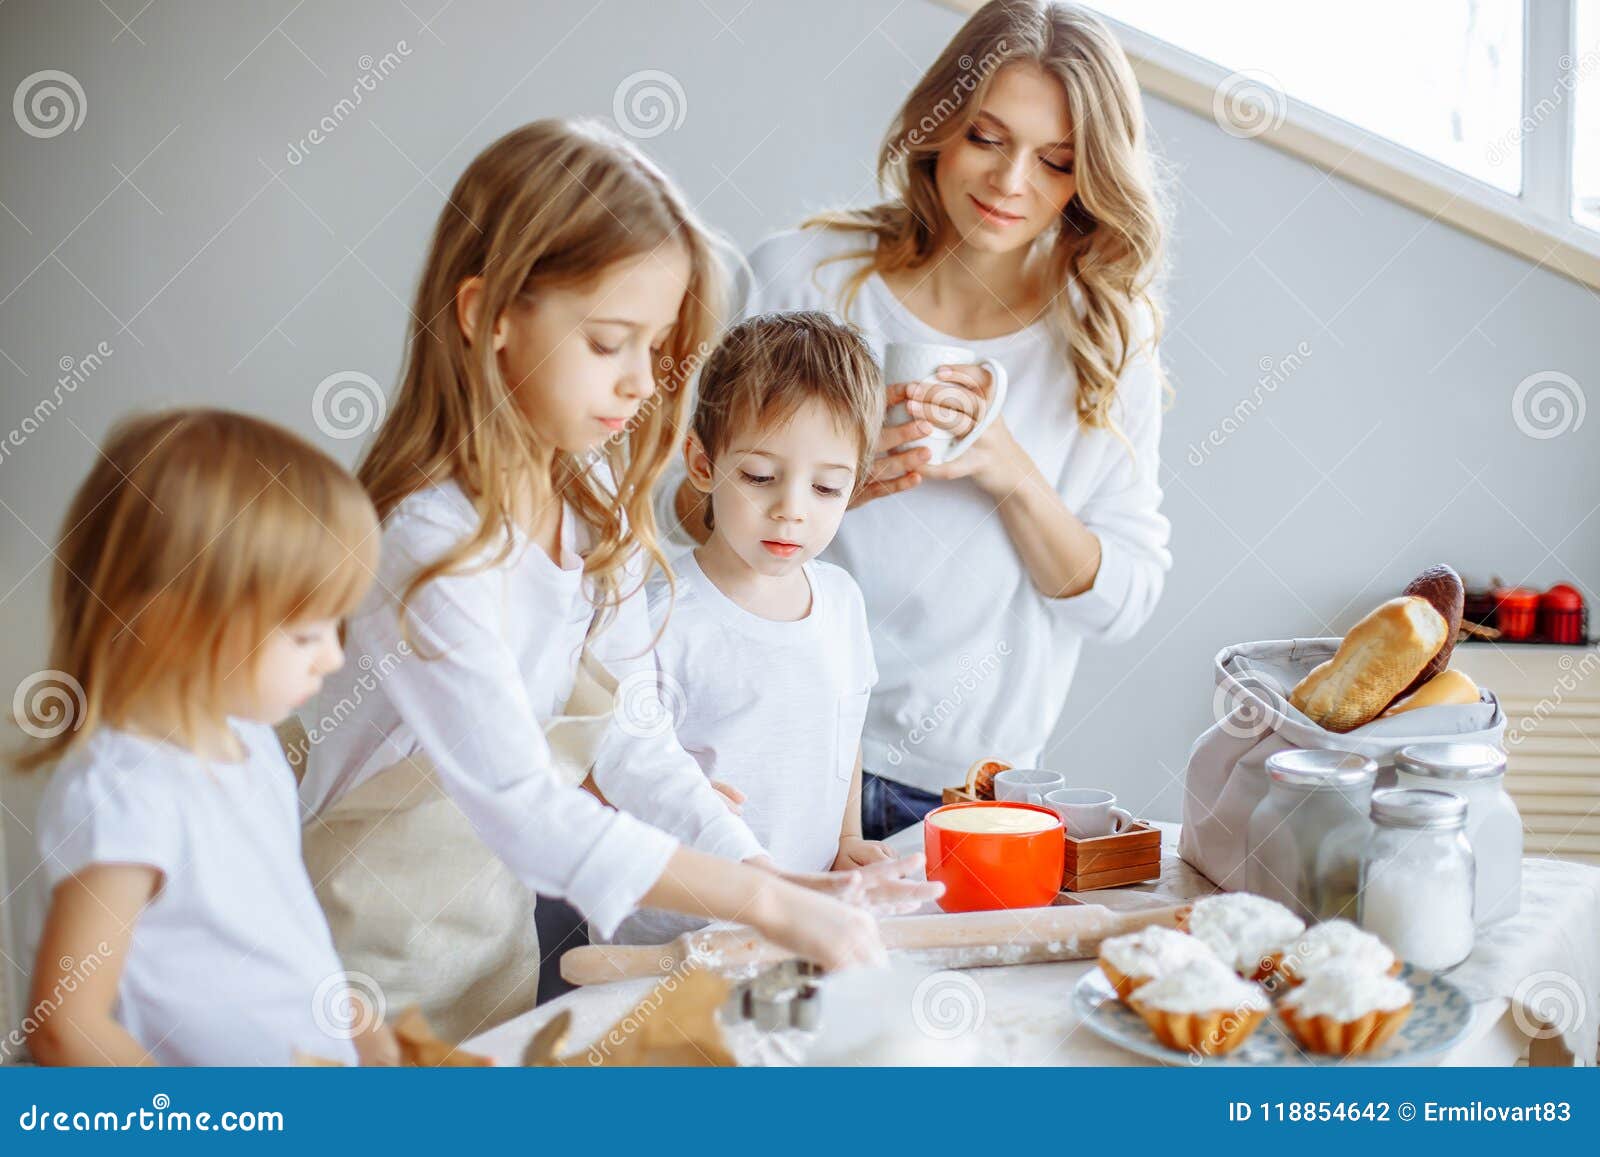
765,659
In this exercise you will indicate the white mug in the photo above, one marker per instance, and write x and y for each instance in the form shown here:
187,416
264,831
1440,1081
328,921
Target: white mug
916,362
1087,812
1027,784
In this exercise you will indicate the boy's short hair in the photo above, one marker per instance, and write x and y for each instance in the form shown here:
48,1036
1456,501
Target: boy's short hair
766,367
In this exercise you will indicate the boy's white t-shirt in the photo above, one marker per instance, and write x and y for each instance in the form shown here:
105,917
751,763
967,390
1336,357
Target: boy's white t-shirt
231,963
773,708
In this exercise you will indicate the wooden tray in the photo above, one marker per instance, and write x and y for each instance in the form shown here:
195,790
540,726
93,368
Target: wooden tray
1129,857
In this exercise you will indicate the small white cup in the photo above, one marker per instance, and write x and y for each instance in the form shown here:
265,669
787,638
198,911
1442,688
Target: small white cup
1087,812
1027,784
915,362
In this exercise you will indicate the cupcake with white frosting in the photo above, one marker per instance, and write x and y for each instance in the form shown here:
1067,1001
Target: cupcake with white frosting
1248,933
1337,942
1148,954
1345,1010
1201,1007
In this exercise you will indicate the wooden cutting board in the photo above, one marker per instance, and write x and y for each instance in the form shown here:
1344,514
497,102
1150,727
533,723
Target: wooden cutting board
946,940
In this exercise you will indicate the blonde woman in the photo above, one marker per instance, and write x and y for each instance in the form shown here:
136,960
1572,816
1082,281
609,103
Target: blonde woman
1023,225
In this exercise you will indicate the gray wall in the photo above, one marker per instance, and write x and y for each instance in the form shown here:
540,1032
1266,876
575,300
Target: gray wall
172,226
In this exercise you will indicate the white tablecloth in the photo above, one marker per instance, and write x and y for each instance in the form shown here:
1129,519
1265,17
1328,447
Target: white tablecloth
1539,968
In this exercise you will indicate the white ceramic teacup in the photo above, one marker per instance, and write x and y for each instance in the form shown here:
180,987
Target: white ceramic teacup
1087,812
1027,784
917,362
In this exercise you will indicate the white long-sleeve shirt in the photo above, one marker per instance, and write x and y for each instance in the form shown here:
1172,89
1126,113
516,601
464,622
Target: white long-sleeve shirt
507,640
974,661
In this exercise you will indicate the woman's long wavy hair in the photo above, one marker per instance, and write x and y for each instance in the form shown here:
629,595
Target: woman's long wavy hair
1110,238
550,205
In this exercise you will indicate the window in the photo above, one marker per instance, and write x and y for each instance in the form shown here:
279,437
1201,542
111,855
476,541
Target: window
1441,77
1506,92
1586,115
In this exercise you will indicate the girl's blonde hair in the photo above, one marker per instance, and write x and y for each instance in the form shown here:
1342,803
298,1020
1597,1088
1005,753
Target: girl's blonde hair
1111,233
550,205
196,535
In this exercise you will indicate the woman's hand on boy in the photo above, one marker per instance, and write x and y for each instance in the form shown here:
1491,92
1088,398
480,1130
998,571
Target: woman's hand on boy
855,852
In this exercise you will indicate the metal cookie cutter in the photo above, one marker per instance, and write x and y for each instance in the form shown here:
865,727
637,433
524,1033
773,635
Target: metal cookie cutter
785,995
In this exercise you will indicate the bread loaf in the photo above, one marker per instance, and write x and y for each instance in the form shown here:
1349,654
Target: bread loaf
1448,686
1376,661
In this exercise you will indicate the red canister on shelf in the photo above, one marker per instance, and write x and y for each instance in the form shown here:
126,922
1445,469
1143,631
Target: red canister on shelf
1561,614
1516,611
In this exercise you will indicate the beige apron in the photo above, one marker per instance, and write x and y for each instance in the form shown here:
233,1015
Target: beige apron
414,898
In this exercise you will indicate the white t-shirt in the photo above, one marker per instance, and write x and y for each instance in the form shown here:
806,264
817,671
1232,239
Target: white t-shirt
231,962
508,639
975,661
773,708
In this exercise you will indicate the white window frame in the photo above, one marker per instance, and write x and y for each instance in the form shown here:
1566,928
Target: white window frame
1537,225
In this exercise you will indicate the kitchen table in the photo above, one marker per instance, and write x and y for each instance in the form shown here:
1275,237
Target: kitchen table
1029,1018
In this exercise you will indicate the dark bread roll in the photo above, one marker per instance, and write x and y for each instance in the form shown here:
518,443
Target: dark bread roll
1442,587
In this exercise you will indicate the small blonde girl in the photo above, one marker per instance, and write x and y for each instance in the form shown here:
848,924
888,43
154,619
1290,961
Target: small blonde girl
201,573
567,297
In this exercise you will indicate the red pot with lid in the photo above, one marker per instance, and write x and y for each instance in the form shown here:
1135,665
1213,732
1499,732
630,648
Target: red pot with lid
1516,611
1561,618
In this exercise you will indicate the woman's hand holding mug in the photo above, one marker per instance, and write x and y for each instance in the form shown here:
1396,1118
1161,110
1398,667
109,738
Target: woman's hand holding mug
942,420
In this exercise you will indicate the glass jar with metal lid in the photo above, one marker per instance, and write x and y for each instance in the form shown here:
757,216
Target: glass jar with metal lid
1417,877
1477,773
1306,836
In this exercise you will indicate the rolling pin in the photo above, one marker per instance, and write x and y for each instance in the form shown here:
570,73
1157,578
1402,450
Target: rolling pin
948,940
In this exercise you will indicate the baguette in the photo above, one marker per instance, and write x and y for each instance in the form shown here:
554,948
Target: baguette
1377,660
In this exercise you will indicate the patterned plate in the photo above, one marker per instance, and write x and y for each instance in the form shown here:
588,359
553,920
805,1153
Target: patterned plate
1440,1019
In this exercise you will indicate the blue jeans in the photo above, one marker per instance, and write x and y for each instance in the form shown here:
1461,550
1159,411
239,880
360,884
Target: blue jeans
887,806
